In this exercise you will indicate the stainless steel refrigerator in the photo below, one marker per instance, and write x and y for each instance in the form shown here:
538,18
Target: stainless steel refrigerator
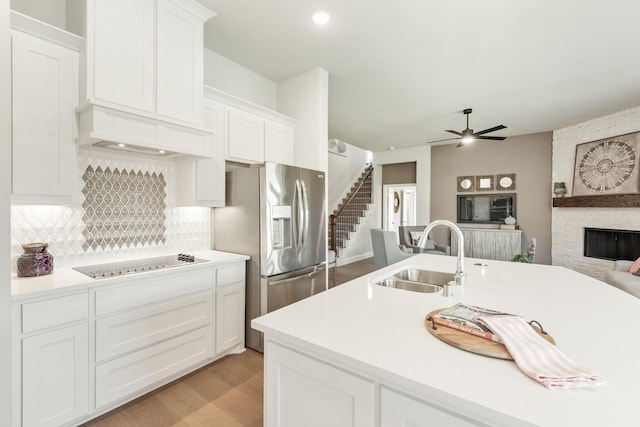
275,214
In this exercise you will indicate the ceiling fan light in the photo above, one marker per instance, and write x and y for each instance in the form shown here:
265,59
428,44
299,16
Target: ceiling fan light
467,139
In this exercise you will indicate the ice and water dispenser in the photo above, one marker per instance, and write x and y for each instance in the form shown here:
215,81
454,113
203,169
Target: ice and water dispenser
280,227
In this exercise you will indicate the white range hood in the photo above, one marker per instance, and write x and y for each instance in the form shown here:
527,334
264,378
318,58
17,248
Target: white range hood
142,78
106,127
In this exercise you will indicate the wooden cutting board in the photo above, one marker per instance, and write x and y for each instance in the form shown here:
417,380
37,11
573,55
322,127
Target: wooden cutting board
472,343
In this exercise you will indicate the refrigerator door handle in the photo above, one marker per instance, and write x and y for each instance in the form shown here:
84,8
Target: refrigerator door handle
304,205
299,225
293,279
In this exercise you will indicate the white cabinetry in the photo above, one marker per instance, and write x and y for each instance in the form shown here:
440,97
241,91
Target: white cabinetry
245,137
230,291
278,143
144,75
254,134
302,391
45,93
397,410
201,182
54,359
180,63
120,57
136,335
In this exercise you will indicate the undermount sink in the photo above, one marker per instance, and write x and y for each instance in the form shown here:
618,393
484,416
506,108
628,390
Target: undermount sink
416,280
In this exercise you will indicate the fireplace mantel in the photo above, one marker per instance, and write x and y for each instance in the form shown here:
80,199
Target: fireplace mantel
604,201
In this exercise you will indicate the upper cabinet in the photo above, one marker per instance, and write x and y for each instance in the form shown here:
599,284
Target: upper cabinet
254,134
143,69
245,136
278,142
180,84
120,58
45,93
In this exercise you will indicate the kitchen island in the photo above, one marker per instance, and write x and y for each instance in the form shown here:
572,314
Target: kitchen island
359,354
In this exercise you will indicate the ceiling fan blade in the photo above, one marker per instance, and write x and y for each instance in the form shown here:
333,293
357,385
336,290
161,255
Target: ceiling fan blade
460,144
454,132
493,129
494,138
441,140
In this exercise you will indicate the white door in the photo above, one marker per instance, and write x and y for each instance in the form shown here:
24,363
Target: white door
399,206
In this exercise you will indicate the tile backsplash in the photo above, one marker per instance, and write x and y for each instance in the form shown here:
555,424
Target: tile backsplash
124,208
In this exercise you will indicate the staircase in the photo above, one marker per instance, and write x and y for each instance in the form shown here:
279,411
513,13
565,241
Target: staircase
350,212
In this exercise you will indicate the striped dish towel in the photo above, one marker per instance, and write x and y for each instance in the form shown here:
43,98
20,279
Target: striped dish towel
538,358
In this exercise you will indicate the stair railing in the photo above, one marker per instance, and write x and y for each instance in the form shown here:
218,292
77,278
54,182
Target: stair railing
333,218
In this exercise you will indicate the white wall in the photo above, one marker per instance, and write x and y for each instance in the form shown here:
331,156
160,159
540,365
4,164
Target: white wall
230,77
422,156
5,222
343,170
567,224
305,97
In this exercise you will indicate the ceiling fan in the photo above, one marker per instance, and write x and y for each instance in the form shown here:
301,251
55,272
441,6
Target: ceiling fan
467,136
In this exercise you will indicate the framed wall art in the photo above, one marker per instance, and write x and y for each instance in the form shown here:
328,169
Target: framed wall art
607,166
465,183
506,181
484,183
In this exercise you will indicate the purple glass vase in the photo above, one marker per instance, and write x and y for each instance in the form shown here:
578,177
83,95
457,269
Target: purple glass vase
35,261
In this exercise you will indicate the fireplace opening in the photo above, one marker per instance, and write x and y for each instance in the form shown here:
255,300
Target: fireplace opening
611,244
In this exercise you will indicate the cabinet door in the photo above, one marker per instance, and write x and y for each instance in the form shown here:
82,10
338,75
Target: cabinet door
229,316
210,173
398,410
278,143
245,137
122,51
55,378
179,63
45,93
302,391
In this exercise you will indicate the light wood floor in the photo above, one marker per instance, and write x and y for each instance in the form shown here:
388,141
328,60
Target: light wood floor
226,393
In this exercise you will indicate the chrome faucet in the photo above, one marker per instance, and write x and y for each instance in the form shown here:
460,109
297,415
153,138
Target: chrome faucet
460,264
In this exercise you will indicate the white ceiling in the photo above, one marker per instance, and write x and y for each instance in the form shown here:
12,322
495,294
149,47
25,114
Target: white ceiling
402,71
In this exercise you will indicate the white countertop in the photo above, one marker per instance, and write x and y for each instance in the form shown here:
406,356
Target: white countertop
380,331
67,279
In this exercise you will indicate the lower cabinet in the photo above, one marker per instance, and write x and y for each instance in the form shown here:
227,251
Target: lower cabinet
146,331
302,391
55,376
230,291
397,410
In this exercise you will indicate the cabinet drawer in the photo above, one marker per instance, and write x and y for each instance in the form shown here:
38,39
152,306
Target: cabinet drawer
125,332
138,371
148,291
54,312
228,274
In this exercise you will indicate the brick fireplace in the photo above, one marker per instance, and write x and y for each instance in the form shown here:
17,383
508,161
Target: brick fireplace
568,224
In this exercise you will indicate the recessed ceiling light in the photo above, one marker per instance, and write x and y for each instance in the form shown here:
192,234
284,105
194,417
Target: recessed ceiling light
392,148
121,145
321,17
161,151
